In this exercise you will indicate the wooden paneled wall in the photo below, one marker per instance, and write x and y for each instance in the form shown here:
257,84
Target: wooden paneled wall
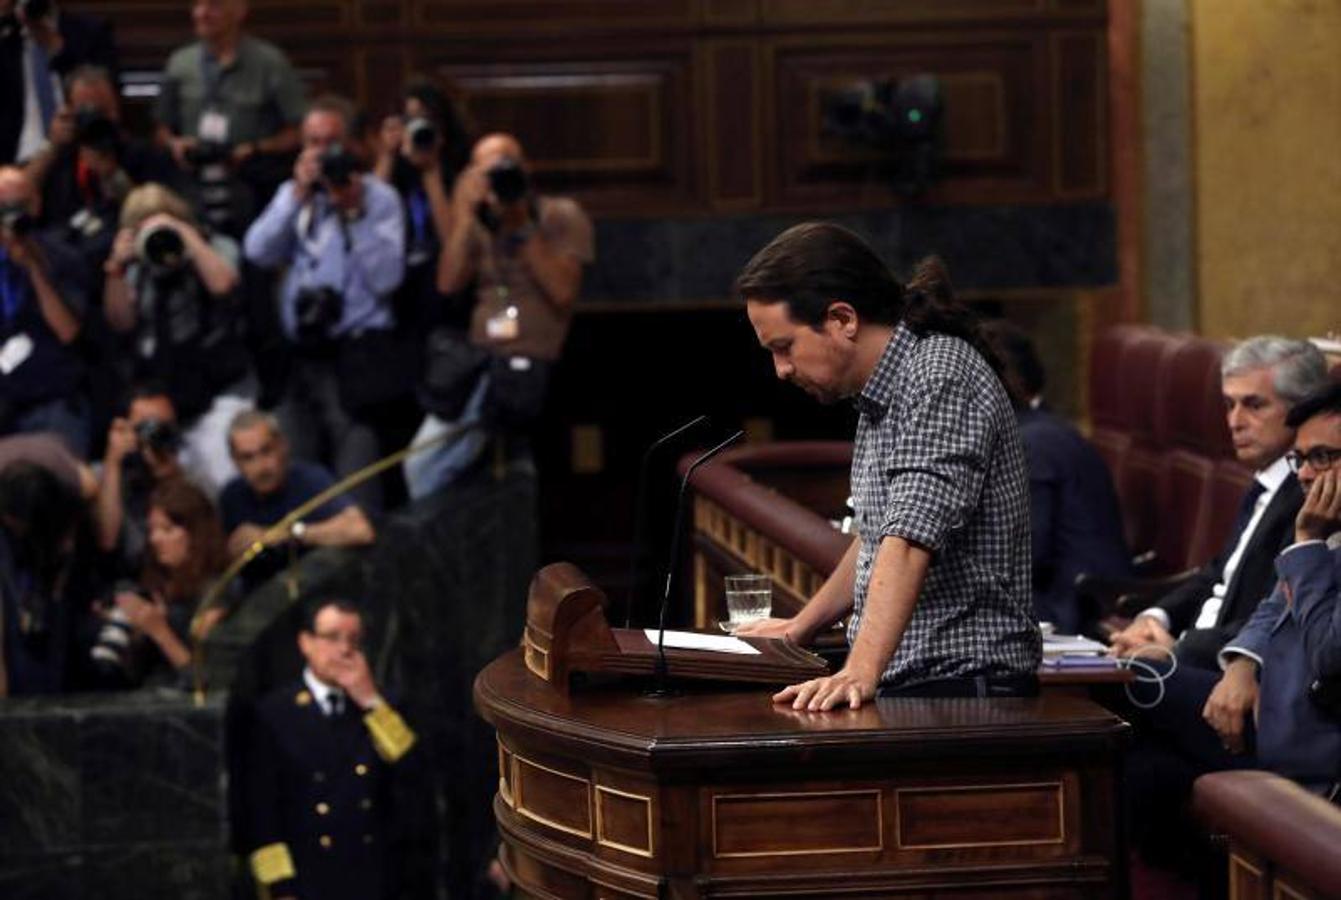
687,107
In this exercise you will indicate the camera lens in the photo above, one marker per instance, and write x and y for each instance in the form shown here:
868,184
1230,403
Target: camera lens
338,165
160,247
507,179
423,134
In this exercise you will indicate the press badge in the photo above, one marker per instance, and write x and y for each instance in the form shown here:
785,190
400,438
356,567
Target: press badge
503,327
15,352
213,126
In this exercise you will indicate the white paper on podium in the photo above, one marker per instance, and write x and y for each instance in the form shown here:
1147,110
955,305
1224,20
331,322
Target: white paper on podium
692,640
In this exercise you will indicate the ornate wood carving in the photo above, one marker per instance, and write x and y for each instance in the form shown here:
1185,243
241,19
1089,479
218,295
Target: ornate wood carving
654,107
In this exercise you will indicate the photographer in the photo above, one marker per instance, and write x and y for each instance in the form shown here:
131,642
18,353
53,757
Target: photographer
228,111
146,633
420,153
342,236
39,45
42,300
90,161
173,288
144,450
525,252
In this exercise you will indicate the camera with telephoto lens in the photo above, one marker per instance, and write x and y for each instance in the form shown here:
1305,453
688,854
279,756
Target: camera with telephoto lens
208,153
119,652
161,248
161,437
15,220
316,312
507,179
95,130
423,134
338,165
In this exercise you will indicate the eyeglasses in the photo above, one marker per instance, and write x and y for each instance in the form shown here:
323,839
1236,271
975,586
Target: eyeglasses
339,637
1320,459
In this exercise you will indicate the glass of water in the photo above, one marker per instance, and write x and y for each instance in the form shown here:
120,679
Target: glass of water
748,597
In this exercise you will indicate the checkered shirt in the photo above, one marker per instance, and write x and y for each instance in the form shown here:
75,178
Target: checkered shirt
938,461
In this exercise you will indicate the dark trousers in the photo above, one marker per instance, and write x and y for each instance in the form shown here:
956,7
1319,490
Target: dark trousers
968,686
319,428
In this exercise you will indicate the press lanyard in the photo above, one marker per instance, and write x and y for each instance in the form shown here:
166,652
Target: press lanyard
418,217
12,291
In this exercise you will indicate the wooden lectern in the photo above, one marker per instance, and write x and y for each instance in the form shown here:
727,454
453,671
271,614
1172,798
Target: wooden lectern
605,792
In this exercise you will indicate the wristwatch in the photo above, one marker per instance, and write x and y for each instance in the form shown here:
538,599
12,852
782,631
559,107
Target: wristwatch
297,530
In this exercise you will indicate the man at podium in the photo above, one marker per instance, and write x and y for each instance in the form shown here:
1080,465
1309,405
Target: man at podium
937,582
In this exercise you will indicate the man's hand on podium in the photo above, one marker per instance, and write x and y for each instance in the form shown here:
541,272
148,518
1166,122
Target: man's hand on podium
769,628
845,686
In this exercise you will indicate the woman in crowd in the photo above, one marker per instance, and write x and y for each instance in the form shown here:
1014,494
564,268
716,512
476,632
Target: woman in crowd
187,552
172,288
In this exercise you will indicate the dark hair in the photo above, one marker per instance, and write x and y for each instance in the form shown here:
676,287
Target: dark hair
314,605
145,389
812,265
457,135
189,507
1023,374
40,512
1324,402
336,105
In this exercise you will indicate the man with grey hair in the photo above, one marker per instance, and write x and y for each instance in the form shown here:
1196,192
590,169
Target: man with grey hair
1261,378
272,485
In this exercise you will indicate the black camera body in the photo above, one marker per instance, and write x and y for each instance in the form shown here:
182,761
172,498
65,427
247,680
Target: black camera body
15,220
208,153
338,165
161,437
316,312
508,181
161,248
95,130
423,134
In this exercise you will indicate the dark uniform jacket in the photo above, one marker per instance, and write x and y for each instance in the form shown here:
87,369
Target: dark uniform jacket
319,790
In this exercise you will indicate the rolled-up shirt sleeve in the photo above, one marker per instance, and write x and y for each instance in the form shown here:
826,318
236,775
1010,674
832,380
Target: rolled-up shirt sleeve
939,462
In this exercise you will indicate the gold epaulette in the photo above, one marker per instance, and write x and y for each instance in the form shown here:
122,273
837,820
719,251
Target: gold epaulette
272,863
391,737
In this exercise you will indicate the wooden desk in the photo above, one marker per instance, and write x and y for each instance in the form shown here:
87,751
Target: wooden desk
606,793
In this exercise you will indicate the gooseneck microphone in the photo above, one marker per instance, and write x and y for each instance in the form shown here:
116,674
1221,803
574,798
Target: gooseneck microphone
640,513
659,689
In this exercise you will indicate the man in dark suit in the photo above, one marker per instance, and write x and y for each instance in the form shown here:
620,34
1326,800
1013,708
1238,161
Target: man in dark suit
319,770
1261,379
1074,519
39,46
1294,638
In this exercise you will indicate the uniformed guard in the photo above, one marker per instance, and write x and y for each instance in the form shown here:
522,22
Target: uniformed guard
319,770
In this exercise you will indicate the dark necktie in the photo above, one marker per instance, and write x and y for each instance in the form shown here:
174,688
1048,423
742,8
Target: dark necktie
1246,509
335,704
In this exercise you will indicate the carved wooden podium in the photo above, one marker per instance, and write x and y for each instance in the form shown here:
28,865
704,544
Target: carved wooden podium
605,792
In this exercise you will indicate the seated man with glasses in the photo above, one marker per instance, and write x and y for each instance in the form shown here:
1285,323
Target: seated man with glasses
1289,653
318,776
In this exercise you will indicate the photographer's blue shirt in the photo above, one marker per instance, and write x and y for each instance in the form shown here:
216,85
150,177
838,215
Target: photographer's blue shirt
239,504
35,366
362,259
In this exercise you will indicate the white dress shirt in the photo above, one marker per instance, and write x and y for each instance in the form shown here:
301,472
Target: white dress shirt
1270,478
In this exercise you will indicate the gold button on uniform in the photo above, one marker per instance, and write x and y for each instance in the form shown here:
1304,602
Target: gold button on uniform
323,808
360,769
325,841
